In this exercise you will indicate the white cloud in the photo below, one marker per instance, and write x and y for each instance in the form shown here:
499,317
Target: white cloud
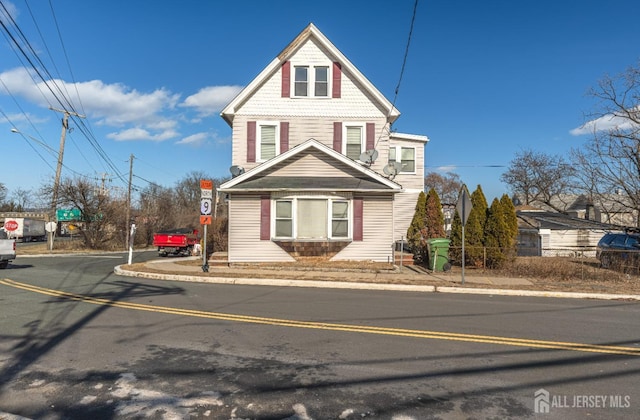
197,139
138,133
211,99
26,117
604,123
11,8
448,168
114,105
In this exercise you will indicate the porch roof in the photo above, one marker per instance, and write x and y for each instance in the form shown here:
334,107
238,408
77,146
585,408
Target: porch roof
308,183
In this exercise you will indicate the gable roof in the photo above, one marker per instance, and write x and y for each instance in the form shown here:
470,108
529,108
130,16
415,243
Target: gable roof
365,180
311,31
540,219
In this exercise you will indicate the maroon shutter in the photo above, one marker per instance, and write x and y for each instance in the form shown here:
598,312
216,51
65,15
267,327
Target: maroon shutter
371,135
337,136
337,80
286,79
284,136
251,141
265,218
357,219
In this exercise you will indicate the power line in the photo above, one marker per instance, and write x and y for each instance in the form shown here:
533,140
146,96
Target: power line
402,68
40,69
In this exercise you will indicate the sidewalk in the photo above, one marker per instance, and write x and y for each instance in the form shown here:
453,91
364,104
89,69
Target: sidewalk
406,278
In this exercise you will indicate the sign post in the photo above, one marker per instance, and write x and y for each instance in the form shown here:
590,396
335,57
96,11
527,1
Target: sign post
206,197
50,227
132,234
463,207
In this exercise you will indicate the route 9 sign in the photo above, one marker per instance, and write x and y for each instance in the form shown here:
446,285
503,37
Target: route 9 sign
205,206
206,201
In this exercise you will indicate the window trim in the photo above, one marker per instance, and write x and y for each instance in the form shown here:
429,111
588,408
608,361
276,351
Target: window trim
311,80
259,125
363,137
329,226
276,218
398,151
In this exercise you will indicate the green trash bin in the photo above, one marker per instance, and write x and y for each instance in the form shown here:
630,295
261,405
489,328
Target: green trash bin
439,254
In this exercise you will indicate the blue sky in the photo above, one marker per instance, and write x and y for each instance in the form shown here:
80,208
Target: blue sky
484,80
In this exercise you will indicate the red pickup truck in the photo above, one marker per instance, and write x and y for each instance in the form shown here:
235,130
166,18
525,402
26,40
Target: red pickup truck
176,242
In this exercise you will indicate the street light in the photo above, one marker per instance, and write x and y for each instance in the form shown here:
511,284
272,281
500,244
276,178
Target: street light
54,199
41,143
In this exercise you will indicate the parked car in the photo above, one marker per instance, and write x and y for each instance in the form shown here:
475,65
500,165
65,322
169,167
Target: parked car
619,249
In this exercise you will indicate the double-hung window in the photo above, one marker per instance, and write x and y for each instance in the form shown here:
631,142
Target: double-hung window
312,218
339,219
354,140
321,87
284,218
406,156
268,133
311,81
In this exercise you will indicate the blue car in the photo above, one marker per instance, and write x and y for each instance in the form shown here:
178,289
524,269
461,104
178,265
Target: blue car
619,250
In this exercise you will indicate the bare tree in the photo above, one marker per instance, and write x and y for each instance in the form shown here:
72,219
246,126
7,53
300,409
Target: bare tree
538,177
156,212
609,163
98,211
447,186
22,198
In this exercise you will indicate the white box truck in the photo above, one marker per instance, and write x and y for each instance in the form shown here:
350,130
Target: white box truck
25,229
7,249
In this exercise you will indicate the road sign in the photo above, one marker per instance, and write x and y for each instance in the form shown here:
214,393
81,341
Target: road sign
206,184
50,227
464,204
205,206
206,193
205,220
11,225
68,215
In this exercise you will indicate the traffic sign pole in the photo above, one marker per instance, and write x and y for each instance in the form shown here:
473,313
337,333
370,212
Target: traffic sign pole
206,195
463,206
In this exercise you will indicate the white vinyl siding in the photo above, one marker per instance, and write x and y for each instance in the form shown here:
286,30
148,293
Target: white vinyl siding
244,233
569,242
404,207
377,235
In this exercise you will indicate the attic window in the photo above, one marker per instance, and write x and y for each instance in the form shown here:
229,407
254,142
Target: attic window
316,77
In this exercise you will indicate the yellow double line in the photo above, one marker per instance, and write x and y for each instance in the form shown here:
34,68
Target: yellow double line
507,341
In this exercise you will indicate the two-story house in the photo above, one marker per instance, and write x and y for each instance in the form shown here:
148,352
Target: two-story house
317,169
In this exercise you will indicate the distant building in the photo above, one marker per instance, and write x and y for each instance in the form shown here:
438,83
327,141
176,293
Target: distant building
551,234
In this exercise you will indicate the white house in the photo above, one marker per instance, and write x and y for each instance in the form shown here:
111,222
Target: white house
317,170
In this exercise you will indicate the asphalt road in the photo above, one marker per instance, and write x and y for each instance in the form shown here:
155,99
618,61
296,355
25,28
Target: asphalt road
77,341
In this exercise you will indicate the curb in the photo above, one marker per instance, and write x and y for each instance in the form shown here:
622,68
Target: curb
371,286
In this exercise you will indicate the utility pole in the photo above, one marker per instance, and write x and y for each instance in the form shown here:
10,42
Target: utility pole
56,183
128,221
